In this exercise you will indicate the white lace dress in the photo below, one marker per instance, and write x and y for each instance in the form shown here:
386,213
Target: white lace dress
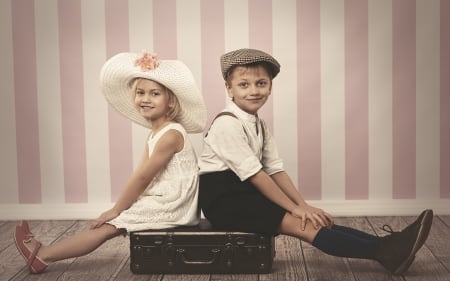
171,198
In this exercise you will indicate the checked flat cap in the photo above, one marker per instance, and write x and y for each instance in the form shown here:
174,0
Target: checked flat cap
247,56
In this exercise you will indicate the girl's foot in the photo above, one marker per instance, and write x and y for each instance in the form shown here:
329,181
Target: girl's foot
28,248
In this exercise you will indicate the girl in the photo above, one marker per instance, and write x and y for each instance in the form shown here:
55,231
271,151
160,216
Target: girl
162,192
243,185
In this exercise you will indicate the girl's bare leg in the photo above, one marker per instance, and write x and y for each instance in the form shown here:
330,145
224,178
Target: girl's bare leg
80,244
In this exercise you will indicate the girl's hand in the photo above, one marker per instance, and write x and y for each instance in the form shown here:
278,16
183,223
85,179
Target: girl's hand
104,217
318,217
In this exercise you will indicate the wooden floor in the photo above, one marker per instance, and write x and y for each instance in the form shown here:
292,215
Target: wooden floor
294,260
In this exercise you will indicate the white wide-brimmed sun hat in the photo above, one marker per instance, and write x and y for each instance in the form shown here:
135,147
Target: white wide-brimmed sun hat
119,72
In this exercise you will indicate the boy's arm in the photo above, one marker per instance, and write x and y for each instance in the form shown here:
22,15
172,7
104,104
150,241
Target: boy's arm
274,192
316,215
283,180
268,187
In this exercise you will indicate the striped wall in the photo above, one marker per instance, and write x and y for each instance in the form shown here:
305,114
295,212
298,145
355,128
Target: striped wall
360,110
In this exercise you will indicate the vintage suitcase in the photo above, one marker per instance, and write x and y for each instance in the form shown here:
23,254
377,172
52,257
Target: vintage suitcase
201,250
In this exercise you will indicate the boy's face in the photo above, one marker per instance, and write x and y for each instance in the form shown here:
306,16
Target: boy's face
249,87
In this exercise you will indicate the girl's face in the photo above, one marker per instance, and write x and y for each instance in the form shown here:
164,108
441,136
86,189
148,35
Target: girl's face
151,99
249,87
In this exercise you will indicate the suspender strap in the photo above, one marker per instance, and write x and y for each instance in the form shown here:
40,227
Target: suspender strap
217,116
233,115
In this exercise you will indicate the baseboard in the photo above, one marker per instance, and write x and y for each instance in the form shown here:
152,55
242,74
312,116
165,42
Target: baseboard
399,207
335,207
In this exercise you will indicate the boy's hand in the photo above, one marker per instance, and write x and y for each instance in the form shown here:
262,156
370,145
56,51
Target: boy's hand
318,217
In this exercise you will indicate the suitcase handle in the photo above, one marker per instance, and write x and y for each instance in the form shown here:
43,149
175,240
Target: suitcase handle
215,253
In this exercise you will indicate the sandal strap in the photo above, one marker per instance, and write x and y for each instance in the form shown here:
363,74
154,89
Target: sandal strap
33,255
29,236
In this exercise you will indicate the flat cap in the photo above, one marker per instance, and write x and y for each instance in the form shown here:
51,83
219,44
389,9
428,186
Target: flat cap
247,56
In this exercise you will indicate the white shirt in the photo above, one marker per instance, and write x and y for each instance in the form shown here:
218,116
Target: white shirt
238,144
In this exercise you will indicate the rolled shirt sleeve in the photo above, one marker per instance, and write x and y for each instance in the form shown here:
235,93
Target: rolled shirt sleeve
272,163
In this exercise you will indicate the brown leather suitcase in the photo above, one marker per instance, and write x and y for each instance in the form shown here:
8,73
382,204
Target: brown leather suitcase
200,250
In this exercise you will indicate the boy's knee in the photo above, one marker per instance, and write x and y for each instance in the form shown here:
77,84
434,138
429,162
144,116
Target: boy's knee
292,226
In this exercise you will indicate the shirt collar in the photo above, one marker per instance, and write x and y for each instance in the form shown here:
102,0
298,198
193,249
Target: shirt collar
241,113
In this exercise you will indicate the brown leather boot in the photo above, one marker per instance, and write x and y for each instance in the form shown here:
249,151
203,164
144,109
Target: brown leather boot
397,250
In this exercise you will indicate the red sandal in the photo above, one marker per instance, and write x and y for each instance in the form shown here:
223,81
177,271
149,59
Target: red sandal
22,236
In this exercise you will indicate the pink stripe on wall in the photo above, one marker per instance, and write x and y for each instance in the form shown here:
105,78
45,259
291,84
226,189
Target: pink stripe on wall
356,99
308,99
260,37
212,42
165,28
26,104
445,99
120,144
404,99
72,101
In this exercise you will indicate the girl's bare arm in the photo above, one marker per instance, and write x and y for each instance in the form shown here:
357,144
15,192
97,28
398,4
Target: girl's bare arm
169,144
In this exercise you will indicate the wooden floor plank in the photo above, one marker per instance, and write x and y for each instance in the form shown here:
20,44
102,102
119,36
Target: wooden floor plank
321,267
288,263
186,277
293,261
126,274
445,220
426,267
234,277
6,234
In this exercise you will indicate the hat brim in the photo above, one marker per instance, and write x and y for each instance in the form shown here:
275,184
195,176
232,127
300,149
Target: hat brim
118,72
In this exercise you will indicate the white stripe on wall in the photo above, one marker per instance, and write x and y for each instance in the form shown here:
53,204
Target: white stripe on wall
428,98
8,148
236,30
49,100
189,43
332,98
189,36
236,25
96,108
189,48
141,37
284,92
380,99
140,14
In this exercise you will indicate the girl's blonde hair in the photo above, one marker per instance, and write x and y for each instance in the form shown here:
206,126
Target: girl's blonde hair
174,104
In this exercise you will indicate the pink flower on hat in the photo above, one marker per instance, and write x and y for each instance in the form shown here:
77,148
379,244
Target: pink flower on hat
147,61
